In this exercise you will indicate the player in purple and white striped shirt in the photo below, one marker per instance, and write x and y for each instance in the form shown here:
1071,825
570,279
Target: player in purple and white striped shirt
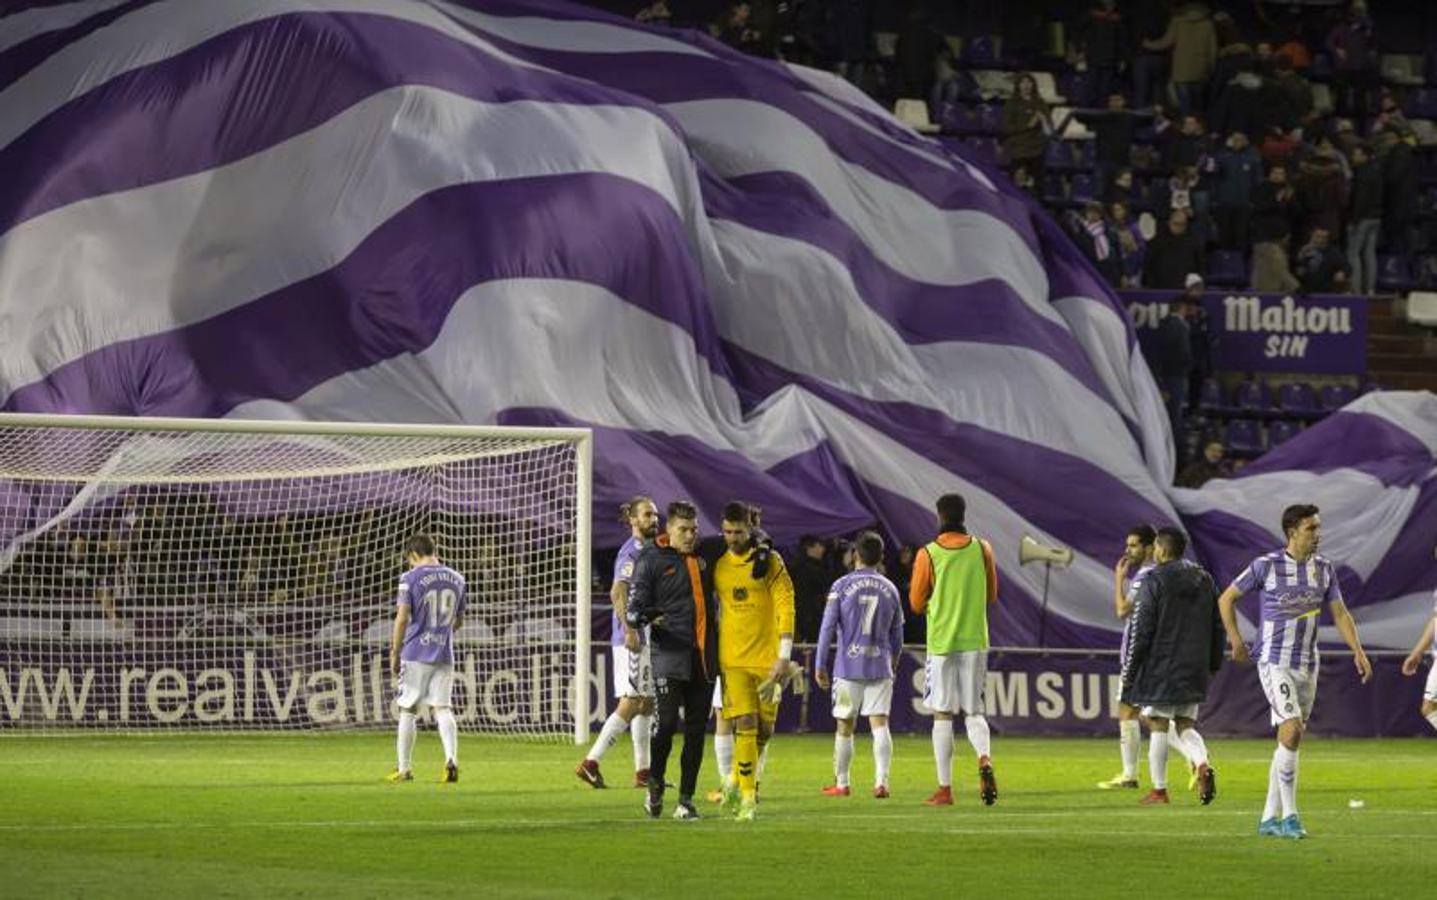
1136,562
633,672
1426,645
865,613
1293,585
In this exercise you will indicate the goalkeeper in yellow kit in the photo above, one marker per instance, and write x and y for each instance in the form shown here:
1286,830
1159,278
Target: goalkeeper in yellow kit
755,638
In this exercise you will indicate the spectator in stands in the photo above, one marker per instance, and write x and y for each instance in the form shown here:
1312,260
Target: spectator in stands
1172,361
1132,246
1192,37
1239,174
1271,271
1188,146
1200,471
1244,103
738,30
1172,254
1199,335
1364,218
1233,53
915,628
1389,114
916,53
1113,132
1272,206
654,14
1353,48
1264,60
1025,120
848,37
1120,189
1278,146
1399,188
1105,43
1150,66
1320,267
1096,238
1320,192
1181,192
812,577
1293,95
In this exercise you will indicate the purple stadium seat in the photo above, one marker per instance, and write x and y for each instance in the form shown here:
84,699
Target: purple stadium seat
1086,154
1281,431
1394,273
1210,395
1058,156
983,149
1251,395
957,118
1422,104
1297,398
1077,88
990,118
1084,187
1243,436
1336,396
1227,268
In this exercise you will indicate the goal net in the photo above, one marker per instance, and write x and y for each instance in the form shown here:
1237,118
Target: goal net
222,575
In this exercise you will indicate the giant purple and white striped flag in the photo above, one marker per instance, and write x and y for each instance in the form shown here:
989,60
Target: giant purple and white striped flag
748,279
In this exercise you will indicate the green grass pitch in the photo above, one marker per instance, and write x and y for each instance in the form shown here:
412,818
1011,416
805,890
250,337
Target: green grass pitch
228,816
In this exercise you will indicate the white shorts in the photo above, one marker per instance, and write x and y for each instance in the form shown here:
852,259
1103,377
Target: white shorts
954,682
429,683
633,672
718,692
1430,691
1172,711
867,697
1290,692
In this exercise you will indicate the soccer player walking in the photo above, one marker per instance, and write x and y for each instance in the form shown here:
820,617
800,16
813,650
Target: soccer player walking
755,639
633,669
866,615
1175,646
954,581
428,610
672,592
1135,564
1293,583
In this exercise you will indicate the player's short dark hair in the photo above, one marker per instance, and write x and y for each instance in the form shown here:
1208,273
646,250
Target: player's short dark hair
869,547
951,510
1145,534
629,507
420,544
808,540
683,509
1173,541
737,513
1293,516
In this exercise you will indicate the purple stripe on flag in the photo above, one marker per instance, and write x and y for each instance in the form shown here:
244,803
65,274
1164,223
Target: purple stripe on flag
1093,505
19,60
1351,440
393,293
246,90
988,311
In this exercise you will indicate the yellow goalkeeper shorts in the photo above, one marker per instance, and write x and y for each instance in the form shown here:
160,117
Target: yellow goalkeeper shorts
741,694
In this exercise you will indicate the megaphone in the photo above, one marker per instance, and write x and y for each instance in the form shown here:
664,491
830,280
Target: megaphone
1030,550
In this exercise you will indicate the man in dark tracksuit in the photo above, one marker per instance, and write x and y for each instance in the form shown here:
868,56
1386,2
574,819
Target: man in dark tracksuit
1176,645
672,592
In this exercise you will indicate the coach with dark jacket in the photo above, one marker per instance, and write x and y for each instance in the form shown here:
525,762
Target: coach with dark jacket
1175,647
672,592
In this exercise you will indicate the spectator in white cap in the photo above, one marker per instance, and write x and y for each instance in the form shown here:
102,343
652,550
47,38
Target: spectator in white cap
1189,305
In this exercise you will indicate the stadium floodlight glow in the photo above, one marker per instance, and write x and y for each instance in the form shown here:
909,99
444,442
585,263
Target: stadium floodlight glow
240,575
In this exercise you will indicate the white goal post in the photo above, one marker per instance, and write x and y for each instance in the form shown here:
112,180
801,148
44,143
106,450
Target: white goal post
216,574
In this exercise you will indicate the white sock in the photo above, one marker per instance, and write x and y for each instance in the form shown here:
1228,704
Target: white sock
762,760
1195,746
943,750
882,755
1287,780
407,728
448,734
978,735
723,752
1158,759
1432,718
614,726
1176,740
1130,740
1273,805
842,758
641,728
